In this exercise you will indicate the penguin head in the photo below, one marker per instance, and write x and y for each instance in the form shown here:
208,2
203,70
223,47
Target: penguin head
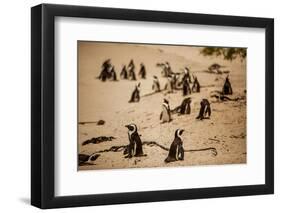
165,101
131,127
178,133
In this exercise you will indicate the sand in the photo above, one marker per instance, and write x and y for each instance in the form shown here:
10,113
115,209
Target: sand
108,101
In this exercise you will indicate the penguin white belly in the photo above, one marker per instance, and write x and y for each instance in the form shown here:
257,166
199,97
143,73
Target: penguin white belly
165,115
135,148
177,153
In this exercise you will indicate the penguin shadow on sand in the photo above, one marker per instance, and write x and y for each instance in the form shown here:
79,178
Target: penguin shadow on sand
135,97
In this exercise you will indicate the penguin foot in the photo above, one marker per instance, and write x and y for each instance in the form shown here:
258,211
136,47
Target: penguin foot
141,155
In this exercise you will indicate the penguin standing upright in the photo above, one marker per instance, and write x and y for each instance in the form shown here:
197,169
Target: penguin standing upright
131,71
169,85
174,81
205,110
196,85
113,74
142,72
124,74
165,69
186,88
185,106
134,149
105,72
227,89
135,97
156,84
186,75
165,115
168,69
176,151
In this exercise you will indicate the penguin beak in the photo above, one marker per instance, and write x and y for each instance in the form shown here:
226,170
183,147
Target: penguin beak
181,131
127,126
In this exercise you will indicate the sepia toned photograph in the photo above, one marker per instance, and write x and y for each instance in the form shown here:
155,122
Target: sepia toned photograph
154,105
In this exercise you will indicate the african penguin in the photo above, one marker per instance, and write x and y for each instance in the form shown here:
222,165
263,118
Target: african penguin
196,85
105,73
156,84
142,72
169,85
124,74
84,158
134,149
227,89
185,106
131,71
186,88
205,110
135,97
176,151
165,115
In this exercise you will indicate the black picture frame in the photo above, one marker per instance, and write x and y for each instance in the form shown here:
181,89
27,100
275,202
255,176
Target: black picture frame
43,102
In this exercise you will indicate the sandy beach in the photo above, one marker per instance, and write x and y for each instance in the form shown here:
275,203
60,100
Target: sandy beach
108,101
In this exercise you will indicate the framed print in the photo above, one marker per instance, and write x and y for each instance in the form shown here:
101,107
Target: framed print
139,106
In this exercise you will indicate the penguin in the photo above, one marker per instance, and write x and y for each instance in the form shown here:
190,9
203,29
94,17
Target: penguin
186,75
174,80
168,69
113,74
84,158
165,115
105,70
131,71
142,72
135,97
227,89
131,74
156,84
131,63
134,149
186,88
196,85
205,110
124,74
169,85
185,106
176,151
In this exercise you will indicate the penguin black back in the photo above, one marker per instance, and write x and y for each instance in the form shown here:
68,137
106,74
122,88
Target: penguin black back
227,89
176,151
134,149
205,110
135,97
